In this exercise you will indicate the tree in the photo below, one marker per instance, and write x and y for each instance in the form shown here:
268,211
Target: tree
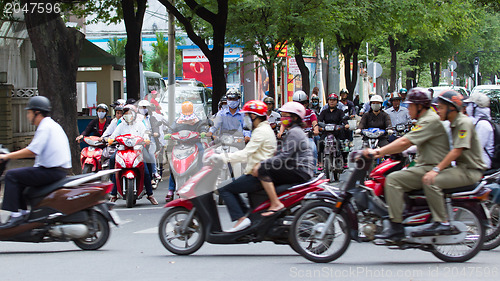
57,50
159,60
203,21
117,47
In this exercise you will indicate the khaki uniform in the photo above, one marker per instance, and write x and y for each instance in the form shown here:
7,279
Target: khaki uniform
433,145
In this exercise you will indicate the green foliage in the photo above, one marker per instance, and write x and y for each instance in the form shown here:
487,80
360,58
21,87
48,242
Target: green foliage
116,46
158,61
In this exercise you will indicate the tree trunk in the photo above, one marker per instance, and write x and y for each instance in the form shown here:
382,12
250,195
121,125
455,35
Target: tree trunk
57,50
133,18
435,73
270,73
304,71
394,58
351,78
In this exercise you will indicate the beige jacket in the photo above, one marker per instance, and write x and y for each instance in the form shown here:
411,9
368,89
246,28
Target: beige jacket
262,146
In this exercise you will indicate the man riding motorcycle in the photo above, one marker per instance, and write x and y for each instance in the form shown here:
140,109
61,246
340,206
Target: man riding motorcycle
376,118
262,146
272,116
49,146
398,114
98,126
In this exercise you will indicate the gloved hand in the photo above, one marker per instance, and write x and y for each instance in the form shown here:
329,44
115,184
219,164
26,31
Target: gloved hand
390,132
357,132
216,158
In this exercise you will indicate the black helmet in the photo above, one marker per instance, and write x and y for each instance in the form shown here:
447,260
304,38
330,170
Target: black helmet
452,98
315,98
40,103
102,106
119,108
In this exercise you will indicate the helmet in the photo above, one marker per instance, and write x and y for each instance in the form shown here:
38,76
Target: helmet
256,107
396,96
300,96
388,95
40,103
453,98
295,108
102,106
144,103
419,95
333,96
376,98
131,101
233,93
127,108
223,98
118,102
344,91
119,108
479,99
403,91
154,92
269,100
315,98
187,108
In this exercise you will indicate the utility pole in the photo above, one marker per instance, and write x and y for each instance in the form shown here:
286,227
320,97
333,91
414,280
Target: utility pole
476,70
171,67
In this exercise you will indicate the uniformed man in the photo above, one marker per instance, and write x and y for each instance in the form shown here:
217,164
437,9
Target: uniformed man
49,146
432,142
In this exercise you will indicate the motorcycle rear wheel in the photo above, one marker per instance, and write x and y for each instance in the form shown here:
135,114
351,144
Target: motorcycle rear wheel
465,250
99,233
306,227
171,235
129,193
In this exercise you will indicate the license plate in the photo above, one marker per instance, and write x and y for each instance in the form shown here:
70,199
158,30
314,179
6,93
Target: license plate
115,216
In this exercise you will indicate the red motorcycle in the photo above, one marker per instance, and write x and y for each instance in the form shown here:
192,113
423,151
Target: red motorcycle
90,156
130,159
193,219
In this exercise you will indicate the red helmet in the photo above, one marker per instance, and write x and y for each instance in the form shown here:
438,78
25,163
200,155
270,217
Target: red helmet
333,96
256,107
419,95
453,98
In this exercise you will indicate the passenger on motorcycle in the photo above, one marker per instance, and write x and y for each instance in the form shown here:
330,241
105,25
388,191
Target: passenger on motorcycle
153,126
230,119
477,107
49,146
294,163
118,108
273,117
398,114
376,118
133,126
332,115
262,146
97,126
344,99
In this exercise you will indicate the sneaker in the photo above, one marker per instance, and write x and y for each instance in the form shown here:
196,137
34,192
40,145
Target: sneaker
152,200
157,176
244,224
112,198
170,196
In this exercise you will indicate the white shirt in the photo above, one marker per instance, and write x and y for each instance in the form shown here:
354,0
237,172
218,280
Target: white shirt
402,116
138,128
51,145
111,128
273,118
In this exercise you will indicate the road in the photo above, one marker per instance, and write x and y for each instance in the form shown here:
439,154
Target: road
134,252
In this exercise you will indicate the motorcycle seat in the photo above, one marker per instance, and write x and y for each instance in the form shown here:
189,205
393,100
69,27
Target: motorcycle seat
446,191
36,192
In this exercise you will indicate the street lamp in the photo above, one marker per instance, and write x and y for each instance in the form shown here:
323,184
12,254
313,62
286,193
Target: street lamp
476,69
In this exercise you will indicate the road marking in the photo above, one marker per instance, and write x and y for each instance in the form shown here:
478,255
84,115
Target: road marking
152,230
132,209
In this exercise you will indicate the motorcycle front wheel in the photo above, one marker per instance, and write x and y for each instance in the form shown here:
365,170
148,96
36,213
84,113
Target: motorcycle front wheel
98,233
307,226
174,238
129,193
492,239
473,242
87,168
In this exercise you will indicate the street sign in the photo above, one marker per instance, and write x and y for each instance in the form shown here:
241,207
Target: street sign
378,69
293,68
452,65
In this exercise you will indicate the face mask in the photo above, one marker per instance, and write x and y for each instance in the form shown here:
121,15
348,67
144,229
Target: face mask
376,106
470,109
101,115
128,118
233,104
286,120
315,103
143,111
247,123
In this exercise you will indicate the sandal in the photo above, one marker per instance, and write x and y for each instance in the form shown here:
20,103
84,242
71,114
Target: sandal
112,198
152,200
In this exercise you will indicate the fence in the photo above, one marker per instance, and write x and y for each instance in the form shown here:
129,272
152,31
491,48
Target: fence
22,130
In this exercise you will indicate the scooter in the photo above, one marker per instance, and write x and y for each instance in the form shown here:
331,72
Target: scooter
130,161
72,209
90,156
371,137
193,219
323,228
333,160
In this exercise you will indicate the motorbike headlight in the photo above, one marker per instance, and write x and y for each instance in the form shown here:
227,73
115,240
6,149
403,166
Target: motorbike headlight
120,161
227,139
330,128
183,152
400,127
137,160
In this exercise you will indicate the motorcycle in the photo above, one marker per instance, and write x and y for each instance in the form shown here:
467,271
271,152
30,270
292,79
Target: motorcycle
90,157
130,161
333,160
371,137
193,219
72,209
230,142
323,228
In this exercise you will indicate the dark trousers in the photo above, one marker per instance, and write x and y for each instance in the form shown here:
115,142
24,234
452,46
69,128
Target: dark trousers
231,194
17,180
147,177
282,172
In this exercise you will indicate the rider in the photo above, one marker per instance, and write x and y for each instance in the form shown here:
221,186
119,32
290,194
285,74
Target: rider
223,103
376,118
262,146
293,164
478,109
351,110
387,102
118,108
332,115
153,127
398,114
49,146
230,119
137,128
315,104
402,93
272,116
97,126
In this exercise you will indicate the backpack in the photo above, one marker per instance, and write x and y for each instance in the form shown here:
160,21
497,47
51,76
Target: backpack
495,158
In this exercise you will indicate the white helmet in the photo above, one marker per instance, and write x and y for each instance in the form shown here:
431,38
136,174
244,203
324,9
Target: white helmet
376,98
144,103
479,99
300,96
